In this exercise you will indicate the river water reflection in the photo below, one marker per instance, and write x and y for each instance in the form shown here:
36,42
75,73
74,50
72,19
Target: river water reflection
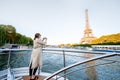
54,61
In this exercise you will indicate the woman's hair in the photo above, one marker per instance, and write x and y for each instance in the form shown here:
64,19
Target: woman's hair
37,35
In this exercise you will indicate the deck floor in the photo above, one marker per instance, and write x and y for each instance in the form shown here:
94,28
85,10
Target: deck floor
40,77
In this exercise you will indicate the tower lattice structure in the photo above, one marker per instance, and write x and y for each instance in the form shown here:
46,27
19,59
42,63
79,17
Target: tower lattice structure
88,34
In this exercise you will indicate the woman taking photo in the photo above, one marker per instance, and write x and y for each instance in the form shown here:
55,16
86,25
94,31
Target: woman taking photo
36,56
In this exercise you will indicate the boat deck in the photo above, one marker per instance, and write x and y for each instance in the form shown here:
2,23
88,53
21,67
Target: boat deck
40,78
22,74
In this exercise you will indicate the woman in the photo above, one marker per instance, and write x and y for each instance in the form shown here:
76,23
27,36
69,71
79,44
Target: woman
36,56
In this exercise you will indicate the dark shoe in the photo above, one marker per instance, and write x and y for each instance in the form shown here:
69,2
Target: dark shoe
36,78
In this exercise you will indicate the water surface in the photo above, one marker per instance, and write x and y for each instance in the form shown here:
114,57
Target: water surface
53,61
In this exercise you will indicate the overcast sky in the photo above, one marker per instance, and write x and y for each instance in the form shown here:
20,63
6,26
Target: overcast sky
61,21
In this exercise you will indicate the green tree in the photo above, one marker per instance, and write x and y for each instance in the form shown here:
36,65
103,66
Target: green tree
108,39
8,34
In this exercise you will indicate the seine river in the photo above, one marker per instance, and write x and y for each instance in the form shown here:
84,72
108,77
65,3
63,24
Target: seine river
104,69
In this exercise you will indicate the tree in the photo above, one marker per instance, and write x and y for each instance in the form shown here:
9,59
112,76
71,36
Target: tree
108,39
8,34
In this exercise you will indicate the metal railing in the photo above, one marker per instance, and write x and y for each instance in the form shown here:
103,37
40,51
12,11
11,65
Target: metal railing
79,63
104,55
64,52
56,75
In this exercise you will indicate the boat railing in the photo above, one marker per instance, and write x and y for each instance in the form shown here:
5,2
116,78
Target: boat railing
64,73
65,52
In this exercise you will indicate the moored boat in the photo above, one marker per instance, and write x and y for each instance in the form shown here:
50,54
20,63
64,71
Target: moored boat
106,48
13,50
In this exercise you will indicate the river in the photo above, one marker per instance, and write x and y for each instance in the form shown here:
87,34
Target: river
53,61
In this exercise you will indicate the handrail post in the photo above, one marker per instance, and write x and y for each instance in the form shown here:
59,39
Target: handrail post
64,63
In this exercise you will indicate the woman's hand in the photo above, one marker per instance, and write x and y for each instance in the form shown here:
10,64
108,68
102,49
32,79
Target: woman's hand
44,38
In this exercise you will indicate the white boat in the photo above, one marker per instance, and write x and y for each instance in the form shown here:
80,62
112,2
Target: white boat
13,48
106,48
6,50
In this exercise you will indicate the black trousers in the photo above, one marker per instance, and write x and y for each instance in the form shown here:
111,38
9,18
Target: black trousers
32,71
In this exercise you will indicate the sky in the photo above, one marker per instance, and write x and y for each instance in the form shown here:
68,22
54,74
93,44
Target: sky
61,21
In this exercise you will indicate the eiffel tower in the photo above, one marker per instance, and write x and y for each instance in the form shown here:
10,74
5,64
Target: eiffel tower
88,35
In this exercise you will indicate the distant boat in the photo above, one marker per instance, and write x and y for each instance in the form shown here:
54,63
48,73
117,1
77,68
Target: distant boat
106,48
12,48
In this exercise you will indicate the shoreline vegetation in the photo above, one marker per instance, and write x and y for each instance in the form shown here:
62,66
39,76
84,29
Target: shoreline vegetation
112,39
9,35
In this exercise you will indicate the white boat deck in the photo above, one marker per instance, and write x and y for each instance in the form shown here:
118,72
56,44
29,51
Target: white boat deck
21,74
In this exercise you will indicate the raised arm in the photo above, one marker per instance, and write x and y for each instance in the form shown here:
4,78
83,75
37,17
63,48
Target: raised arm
42,42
